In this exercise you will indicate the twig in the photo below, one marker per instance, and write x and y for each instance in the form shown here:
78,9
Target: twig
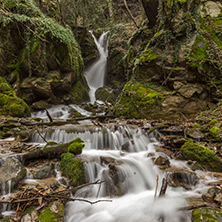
41,136
49,116
163,187
157,181
131,15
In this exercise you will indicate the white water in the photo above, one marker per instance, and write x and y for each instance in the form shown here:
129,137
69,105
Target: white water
95,74
61,112
129,175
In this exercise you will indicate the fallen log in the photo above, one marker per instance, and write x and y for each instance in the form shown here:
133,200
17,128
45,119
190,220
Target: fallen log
48,152
163,187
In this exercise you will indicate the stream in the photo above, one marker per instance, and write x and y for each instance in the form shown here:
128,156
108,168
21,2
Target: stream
122,156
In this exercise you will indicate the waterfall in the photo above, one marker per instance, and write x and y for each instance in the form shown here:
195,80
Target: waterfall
95,74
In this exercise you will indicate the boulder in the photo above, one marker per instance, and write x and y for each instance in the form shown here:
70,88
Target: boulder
181,177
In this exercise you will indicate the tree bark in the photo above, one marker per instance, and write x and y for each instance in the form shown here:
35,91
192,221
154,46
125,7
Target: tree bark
151,10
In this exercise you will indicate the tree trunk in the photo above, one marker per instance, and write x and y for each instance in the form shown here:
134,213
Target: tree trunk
151,10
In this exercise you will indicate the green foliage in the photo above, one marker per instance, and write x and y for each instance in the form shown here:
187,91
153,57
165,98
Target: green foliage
48,216
73,169
201,154
10,104
27,13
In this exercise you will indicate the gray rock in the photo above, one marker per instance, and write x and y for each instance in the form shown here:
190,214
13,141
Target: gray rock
44,172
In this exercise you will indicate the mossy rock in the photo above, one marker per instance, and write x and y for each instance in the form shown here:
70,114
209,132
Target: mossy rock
73,168
48,216
207,214
11,104
139,101
201,154
76,146
216,132
79,91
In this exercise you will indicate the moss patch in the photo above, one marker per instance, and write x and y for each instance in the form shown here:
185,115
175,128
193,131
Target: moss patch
10,104
201,154
137,100
48,216
73,169
76,146
207,215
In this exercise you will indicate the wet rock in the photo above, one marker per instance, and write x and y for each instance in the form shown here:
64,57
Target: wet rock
10,170
126,146
107,160
106,94
163,162
180,177
44,172
40,105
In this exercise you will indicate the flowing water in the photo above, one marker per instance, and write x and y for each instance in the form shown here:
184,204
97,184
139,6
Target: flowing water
95,74
121,157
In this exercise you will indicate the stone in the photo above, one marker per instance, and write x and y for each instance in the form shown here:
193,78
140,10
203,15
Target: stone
180,177
10,170
44,172
210,8
162,161
195,133
188,90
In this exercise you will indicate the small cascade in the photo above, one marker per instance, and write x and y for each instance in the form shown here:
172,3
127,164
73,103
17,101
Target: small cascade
61,112
120,157
6,192
95,74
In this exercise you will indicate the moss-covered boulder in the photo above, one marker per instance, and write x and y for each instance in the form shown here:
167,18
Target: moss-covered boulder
76,146
138,101
73,168
201,154
207,214
10,104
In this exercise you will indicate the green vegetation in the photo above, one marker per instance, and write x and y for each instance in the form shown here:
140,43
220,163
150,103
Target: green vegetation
73,169
48,216
201,154
10,104
207,215
76,146
215,131
137,100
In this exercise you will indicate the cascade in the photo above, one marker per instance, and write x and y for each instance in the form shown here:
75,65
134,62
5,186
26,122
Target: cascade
95,74
121,157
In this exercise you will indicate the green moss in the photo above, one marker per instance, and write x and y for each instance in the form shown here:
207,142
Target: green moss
136,100
146,56
76,146
215,131
73,169
213,121
10,103
201,154
48,216
207,215
196,125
